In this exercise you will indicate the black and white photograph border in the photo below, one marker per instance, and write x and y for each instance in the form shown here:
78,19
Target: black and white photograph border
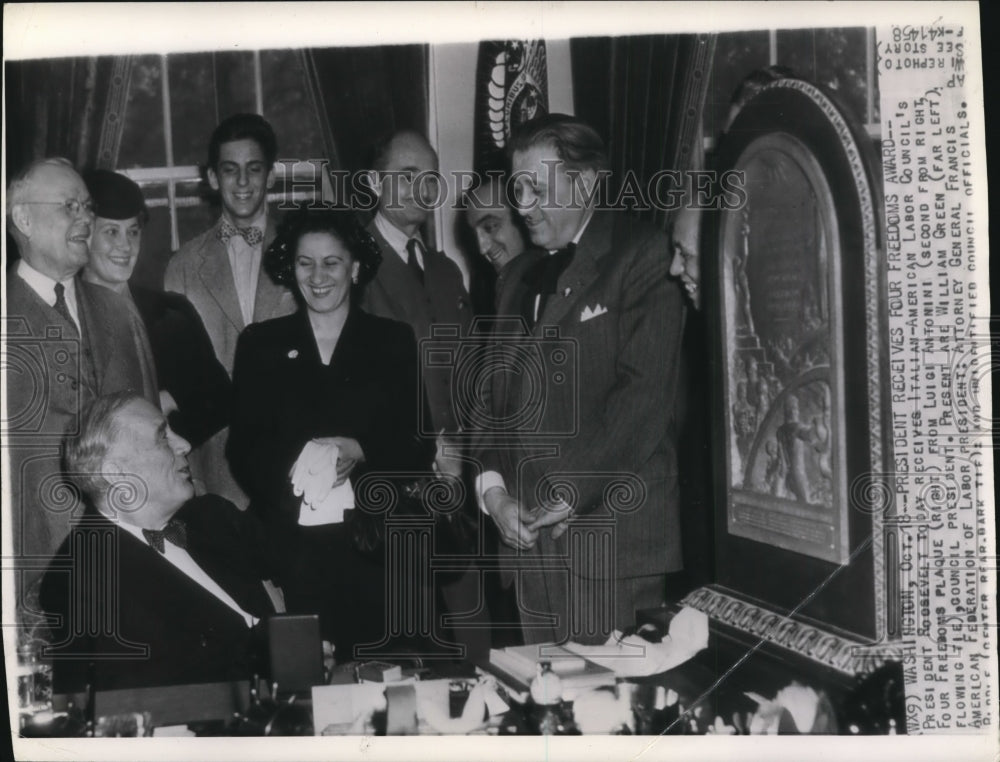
920,517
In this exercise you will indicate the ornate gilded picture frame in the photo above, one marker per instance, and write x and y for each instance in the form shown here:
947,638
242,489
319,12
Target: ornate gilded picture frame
796,284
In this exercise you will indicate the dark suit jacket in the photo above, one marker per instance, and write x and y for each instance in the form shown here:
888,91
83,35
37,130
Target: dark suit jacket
50,376
442,301
167,629
200,271
186,365
284,397
607,387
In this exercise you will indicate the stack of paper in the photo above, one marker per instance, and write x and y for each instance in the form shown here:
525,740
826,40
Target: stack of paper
518,665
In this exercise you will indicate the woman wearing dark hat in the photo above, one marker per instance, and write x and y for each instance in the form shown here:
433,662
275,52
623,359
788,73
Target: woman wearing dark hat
194,387
321,398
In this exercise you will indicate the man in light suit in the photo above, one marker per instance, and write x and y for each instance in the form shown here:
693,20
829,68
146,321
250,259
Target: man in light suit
422,287
585,486
153,586
219,271
68,341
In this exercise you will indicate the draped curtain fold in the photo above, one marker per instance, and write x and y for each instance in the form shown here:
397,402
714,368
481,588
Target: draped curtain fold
69,107
365,94
645,94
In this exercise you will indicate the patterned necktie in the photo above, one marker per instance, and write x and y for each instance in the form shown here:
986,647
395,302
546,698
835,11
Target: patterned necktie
543,278
411,258
175,531
252,235
63,309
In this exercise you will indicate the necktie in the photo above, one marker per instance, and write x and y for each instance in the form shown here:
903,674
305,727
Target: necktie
63,309
411,258
543,278
252,235
175,531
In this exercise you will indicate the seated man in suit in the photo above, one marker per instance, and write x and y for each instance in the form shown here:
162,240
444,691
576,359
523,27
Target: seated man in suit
68,342
177,590
219,271
499,238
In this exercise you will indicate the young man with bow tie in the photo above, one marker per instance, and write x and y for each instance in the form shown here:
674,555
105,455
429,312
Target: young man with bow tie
584,487
219,271
153,586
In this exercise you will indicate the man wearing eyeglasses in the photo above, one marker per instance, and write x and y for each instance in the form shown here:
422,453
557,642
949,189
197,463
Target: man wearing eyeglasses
67,341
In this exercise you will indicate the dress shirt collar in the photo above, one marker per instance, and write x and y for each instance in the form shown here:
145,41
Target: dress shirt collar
260,221
183,562
395,237
45,287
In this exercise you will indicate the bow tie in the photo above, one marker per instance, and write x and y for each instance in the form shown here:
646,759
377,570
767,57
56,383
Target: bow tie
175,531
252,235
545,274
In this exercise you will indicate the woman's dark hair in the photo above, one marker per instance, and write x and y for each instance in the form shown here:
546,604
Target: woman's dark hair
279,259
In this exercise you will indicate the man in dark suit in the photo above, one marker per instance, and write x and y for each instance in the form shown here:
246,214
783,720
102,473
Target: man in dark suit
67,342
422,287
414,284
219,271
161,588
585,485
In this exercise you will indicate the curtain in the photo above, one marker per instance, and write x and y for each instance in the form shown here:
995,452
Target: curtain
365,94
645,94
69,107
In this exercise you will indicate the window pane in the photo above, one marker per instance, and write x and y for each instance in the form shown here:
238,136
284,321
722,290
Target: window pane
234,86
833,58
287,106
192,105
737,54
142,137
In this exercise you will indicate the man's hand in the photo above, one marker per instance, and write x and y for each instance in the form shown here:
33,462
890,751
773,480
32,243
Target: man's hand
511,519
555,515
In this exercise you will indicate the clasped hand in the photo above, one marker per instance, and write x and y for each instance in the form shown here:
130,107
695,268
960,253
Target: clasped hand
519,528
323,464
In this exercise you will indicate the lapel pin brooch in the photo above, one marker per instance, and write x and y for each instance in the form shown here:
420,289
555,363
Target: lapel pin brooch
293,354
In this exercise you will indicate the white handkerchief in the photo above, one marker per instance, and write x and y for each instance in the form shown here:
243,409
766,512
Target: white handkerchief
331,509
313,479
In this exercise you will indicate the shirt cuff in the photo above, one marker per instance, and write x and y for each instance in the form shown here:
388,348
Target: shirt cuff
485,482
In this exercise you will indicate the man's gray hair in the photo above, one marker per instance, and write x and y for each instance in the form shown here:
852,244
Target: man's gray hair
18,187
85,452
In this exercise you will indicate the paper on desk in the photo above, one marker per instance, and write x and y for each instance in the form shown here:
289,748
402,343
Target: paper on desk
634,656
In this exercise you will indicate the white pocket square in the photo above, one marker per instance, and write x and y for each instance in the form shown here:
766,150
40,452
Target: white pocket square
591,312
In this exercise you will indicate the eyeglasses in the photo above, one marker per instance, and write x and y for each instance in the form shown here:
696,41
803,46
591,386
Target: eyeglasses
72,205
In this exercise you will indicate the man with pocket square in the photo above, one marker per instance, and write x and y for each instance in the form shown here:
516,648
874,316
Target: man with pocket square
583,483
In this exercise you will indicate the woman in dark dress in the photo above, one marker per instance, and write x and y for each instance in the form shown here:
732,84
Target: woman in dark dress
321,398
